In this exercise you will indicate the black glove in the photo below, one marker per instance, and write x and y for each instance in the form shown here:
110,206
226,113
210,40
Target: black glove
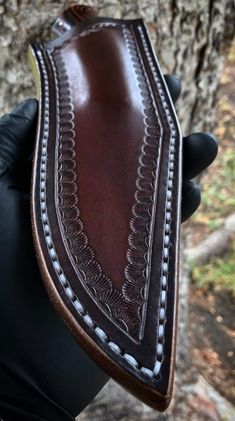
44,374
199,150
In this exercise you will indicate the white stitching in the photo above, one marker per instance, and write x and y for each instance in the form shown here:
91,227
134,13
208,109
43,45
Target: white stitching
131,360
78,306
168,210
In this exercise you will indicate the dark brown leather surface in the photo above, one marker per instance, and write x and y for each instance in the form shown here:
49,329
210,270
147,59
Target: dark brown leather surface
106,199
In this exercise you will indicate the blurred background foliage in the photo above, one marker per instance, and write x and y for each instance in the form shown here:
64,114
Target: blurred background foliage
212,291
218,187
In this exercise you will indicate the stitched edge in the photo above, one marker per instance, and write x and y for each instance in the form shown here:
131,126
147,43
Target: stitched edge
168,210
61,276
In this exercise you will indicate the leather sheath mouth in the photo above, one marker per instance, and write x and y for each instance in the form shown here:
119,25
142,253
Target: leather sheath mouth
106,199
71,17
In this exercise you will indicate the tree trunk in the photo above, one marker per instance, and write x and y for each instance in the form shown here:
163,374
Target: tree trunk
216,244
190,39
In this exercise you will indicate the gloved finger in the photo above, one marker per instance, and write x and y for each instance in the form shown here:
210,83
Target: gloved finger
191,198
174,86
199,150
15,130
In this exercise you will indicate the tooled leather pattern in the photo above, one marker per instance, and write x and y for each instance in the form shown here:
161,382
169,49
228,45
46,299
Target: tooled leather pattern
125,306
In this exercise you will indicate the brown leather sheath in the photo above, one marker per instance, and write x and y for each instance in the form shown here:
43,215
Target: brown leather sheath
106,198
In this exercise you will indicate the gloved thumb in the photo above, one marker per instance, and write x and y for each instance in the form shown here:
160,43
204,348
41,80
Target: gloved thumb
15,130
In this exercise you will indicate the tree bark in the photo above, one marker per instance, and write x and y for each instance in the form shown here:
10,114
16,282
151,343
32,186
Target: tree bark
190,39
216,244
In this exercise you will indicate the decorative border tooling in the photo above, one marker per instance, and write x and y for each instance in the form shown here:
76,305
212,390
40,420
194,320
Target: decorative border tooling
52,252
126,305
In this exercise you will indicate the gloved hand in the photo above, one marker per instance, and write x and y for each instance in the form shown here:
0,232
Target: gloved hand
44,374
199,151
